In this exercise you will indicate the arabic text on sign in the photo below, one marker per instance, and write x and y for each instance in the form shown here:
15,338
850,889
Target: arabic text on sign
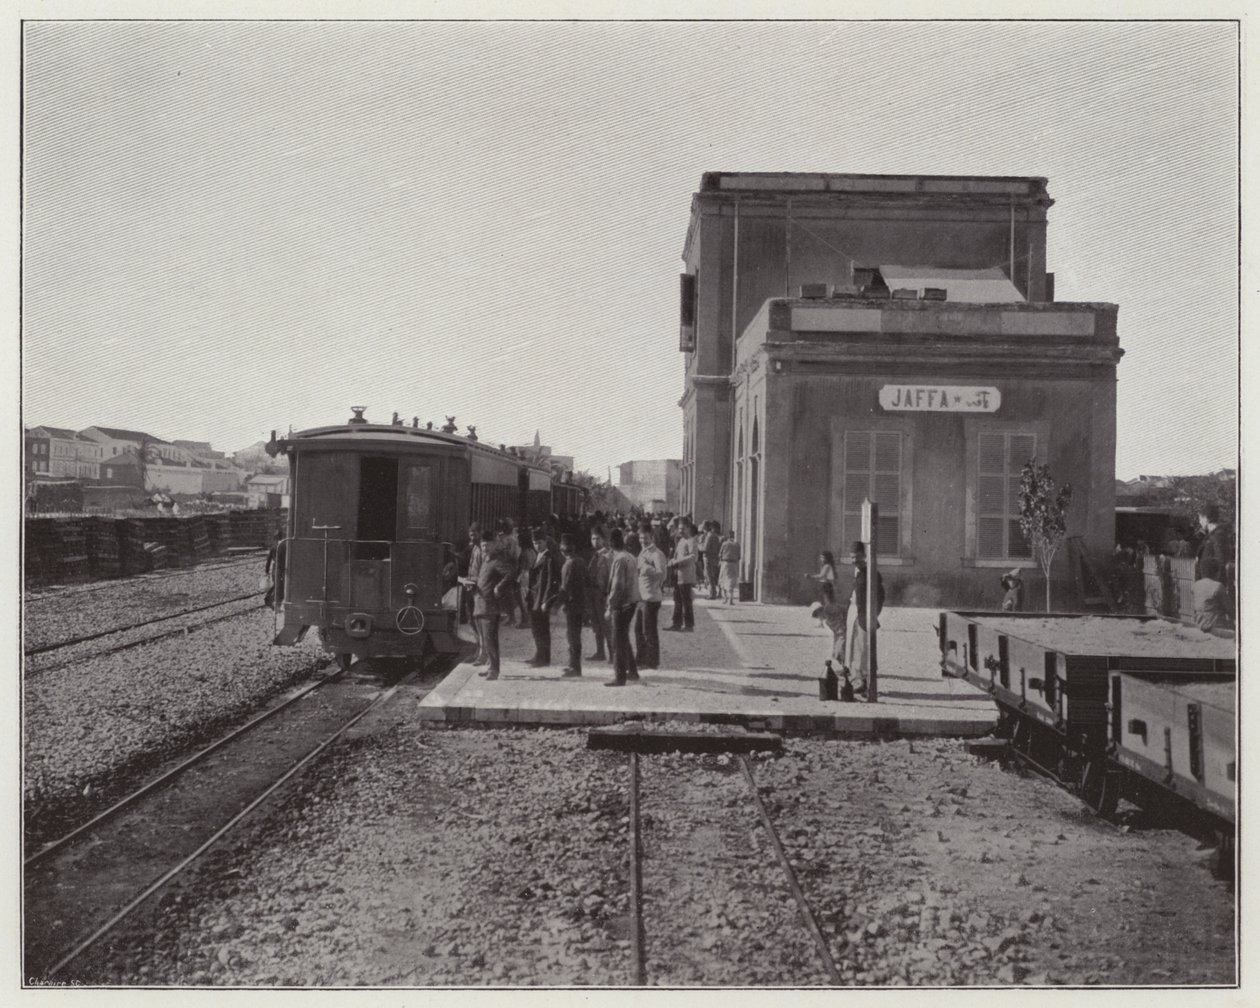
940,398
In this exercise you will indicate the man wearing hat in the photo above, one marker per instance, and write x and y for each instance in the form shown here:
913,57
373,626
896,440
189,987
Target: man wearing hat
1013,585
857,636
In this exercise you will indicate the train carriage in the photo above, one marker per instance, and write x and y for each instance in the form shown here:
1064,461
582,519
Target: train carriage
376,513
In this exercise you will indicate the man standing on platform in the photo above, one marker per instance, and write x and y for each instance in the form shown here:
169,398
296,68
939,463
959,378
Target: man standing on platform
544,583
712,540
599,569
857,645
572,595
652,569
684,565
623,599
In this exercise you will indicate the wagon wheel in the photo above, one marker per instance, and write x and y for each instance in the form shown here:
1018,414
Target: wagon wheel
344,658
1223,861
1100,788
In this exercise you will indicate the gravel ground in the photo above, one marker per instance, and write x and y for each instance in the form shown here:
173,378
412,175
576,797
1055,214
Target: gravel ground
716,899
440,857
196,622
54,618
88,723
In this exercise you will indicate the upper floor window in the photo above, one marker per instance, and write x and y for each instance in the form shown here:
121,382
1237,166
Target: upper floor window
1001,458
872,468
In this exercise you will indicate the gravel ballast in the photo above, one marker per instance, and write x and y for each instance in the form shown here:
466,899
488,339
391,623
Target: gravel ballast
86,723
52,618
458,857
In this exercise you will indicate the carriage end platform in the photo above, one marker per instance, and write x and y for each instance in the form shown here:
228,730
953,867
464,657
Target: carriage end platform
751,665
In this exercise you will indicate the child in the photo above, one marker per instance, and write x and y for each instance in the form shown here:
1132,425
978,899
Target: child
1013,585
1211,603
826,578
833,615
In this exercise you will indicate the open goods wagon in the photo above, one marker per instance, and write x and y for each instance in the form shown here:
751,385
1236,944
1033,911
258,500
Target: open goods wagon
1110,704
375,515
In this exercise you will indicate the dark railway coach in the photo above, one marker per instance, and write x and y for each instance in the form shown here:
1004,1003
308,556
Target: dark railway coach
376,513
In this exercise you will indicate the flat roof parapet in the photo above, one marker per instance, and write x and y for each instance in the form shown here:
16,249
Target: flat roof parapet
797,319
1025,187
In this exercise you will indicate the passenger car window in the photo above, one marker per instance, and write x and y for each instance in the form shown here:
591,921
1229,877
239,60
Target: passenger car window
419,497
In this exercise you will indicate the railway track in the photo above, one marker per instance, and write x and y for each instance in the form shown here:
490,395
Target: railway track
82,887
639,911
84,638
246,560
178,631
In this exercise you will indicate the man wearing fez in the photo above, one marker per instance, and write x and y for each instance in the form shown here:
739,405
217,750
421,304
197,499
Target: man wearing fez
857,635
574,588
544,583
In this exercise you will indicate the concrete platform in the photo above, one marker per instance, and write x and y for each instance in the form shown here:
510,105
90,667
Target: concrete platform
749,664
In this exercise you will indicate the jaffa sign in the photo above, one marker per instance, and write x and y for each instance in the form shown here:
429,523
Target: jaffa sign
940,398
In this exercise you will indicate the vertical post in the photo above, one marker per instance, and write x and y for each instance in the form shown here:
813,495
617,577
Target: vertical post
735,294
1011,248
870,526
787,251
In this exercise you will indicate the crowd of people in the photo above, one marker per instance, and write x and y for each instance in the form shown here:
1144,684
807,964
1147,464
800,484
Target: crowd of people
1212,590
608,574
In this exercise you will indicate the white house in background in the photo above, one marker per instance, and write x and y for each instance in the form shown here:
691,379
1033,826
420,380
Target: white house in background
264,488
169,469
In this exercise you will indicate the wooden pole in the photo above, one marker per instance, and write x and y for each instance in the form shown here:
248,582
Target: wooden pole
870,525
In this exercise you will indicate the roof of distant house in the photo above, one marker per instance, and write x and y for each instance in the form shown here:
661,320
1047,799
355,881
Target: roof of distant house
60,432
119,434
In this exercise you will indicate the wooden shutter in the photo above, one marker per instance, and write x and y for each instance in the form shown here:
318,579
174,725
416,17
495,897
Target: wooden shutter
886,492
872,468
1021,448
1001,457
687,312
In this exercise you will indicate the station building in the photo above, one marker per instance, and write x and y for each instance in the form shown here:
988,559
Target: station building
892,337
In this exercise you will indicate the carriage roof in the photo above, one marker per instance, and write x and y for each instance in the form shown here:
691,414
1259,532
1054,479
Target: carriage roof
369,434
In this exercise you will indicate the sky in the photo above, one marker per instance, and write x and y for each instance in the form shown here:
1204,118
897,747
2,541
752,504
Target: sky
230,227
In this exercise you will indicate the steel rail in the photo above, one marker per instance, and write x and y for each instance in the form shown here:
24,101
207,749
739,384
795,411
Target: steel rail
119,582
152,639
807,914
637,944
171,873
197,757
44,648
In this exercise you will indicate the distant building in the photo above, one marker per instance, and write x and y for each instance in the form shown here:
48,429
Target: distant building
170,470
266,490
652,484
539,452
891,337
201,449
57,451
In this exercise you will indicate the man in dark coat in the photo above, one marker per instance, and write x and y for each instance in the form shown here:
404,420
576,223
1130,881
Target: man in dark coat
574,587
857,632
1217,544
544,583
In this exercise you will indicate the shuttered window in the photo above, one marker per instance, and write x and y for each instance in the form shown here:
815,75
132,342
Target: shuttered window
872,468
1001,457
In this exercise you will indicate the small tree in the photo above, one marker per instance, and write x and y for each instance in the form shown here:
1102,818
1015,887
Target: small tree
1043,514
